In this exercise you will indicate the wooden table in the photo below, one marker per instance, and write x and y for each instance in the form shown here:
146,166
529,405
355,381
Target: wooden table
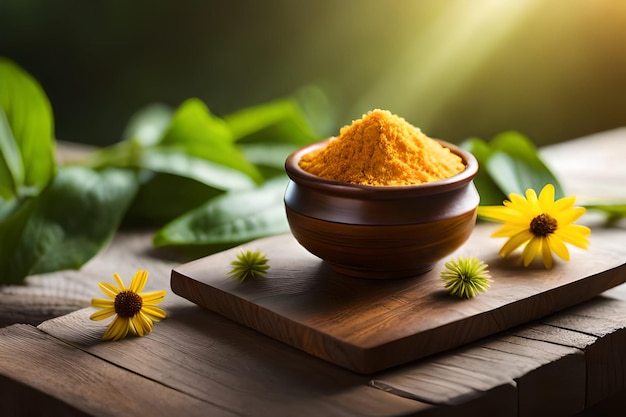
199,363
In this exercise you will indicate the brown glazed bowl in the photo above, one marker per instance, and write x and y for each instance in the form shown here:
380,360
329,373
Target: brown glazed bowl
380,231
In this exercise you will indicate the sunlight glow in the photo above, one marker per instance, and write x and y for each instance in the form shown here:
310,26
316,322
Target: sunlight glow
457,44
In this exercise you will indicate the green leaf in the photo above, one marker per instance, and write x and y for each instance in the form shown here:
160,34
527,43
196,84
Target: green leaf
490,193
509,164
269,158
168,161
11,167
231,219
7,208
276,121
145,129
124,154
163,197
613,212
147,126
65,225
269,132
196,132
516,166
13,269
171,182
29,116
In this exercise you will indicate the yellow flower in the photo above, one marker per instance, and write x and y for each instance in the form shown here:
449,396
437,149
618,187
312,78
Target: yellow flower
135,311
540,223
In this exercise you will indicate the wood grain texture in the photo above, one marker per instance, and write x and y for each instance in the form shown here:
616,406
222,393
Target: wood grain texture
598,329
604,319
549,378
208,356
557,386
53,378
367,326
234,368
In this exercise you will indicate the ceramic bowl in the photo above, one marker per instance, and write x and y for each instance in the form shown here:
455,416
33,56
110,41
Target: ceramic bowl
380,231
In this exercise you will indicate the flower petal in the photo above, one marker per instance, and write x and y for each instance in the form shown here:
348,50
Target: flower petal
118,329
569,216
136,325
153,297
563,203
119,282
102,303
139,281
546,198
153,312
131,327
149,325
515,241
558,247
142,324
102,314
531,250
109,289
574,234
522,206
509,229
531,196
498,213
546,253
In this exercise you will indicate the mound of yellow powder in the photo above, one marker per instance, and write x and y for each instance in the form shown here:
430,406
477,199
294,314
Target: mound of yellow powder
382,149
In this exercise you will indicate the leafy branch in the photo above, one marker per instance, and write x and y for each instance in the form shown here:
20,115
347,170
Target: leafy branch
201,180
510,163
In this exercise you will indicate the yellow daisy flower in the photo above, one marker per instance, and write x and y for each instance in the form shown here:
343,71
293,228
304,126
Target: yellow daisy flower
540,223
135,311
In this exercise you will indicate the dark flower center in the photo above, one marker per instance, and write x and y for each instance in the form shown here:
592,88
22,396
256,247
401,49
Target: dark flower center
127,304
543,225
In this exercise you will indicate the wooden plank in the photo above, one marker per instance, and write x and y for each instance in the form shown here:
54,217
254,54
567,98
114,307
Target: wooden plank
40,374
18,399
549,379
209,357
371,325
500,400
556,335
598,328
605,319
555,387
33,309
591,167
610,407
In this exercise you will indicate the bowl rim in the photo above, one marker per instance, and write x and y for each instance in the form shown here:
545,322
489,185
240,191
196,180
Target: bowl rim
300,176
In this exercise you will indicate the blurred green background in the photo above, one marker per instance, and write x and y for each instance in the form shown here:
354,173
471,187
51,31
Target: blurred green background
553,70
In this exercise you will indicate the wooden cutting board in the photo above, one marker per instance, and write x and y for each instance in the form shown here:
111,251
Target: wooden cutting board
370,325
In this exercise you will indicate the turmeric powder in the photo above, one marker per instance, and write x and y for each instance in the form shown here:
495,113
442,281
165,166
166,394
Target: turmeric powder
382,149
